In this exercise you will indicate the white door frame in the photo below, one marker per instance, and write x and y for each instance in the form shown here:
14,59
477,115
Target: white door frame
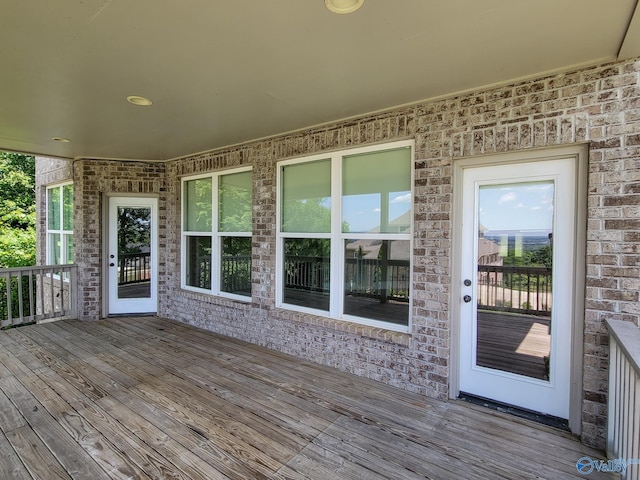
129,306
579,152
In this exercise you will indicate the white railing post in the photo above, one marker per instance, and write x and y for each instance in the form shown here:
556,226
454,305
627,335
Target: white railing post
623,422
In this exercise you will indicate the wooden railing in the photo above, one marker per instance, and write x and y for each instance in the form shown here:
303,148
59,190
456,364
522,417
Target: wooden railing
35,294
515,289
623,434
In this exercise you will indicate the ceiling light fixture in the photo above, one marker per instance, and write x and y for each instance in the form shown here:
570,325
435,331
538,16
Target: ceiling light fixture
60,139
137,100
343,6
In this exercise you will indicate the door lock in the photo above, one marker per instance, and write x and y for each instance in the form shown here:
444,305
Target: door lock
466,298
467,283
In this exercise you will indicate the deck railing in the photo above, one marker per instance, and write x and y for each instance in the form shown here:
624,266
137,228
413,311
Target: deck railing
364,277
35,294
134,268
623,435
515,289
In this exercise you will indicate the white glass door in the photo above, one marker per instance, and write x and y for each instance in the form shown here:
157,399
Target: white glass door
517,283
132,255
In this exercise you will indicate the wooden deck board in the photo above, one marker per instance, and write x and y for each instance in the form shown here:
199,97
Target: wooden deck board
149,398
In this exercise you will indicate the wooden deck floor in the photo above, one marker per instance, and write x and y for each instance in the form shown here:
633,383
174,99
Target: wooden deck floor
150,398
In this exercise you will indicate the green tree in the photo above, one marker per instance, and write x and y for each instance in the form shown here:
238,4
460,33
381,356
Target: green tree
17,210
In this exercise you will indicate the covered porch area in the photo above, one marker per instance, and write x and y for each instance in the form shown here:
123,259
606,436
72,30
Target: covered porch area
146,397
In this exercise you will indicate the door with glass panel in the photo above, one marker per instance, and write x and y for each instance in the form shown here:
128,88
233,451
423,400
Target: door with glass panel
516,277
132,255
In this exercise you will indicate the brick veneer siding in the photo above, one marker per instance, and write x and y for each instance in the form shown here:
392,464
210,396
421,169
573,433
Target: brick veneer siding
599,105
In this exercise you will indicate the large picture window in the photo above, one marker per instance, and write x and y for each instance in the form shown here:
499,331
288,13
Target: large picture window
60,224
344,235
216,233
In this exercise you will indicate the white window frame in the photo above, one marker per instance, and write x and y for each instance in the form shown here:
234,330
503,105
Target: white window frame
64,234
337,237
215,234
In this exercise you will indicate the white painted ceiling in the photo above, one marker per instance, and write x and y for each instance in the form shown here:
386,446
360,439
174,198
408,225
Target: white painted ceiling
224,72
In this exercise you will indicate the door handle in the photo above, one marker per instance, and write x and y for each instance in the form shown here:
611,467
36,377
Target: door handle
466,298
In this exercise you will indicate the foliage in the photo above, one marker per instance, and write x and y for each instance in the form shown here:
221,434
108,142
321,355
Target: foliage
17,210
134,229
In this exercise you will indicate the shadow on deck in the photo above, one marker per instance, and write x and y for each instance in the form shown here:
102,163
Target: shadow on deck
147,397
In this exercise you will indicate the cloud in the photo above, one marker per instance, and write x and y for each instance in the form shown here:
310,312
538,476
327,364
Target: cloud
507,198
402,199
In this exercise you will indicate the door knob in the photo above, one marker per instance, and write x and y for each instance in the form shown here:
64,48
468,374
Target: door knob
112,264
467,283
466,298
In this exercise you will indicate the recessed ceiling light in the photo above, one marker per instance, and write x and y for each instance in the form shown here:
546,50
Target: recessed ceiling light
343,6
137,100
60,139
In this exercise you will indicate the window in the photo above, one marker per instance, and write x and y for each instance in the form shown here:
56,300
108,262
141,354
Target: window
344,236
60,224
216,233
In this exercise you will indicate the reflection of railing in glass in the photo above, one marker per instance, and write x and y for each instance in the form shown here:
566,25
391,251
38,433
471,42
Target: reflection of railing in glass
363,277
366,277
515,289
134,268
307,273
200,271
236,274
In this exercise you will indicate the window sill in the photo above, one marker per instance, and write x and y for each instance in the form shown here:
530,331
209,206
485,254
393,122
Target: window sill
361,330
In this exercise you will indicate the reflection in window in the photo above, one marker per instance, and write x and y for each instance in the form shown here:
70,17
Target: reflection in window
217,213
236,265
376,192
306,197
60,224
198,255
367,218
307,272
198,205
377,279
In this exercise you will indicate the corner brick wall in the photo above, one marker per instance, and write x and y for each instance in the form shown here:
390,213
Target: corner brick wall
599,105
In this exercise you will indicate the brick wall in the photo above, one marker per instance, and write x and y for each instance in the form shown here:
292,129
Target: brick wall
599,105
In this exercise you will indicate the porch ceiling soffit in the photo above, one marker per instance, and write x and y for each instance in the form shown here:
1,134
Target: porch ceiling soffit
222,73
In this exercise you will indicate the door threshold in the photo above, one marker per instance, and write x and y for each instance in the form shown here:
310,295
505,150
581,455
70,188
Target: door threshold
123,315
544,419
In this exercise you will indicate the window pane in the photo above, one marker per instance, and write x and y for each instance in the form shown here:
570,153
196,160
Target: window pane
377,280
306,197
198,205
235,202
55,249
198,262
376,192
236,265
53,210
67,207
69,243
307,272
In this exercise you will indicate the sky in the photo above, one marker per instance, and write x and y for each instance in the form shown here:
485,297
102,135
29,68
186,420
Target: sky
518,207
362,212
